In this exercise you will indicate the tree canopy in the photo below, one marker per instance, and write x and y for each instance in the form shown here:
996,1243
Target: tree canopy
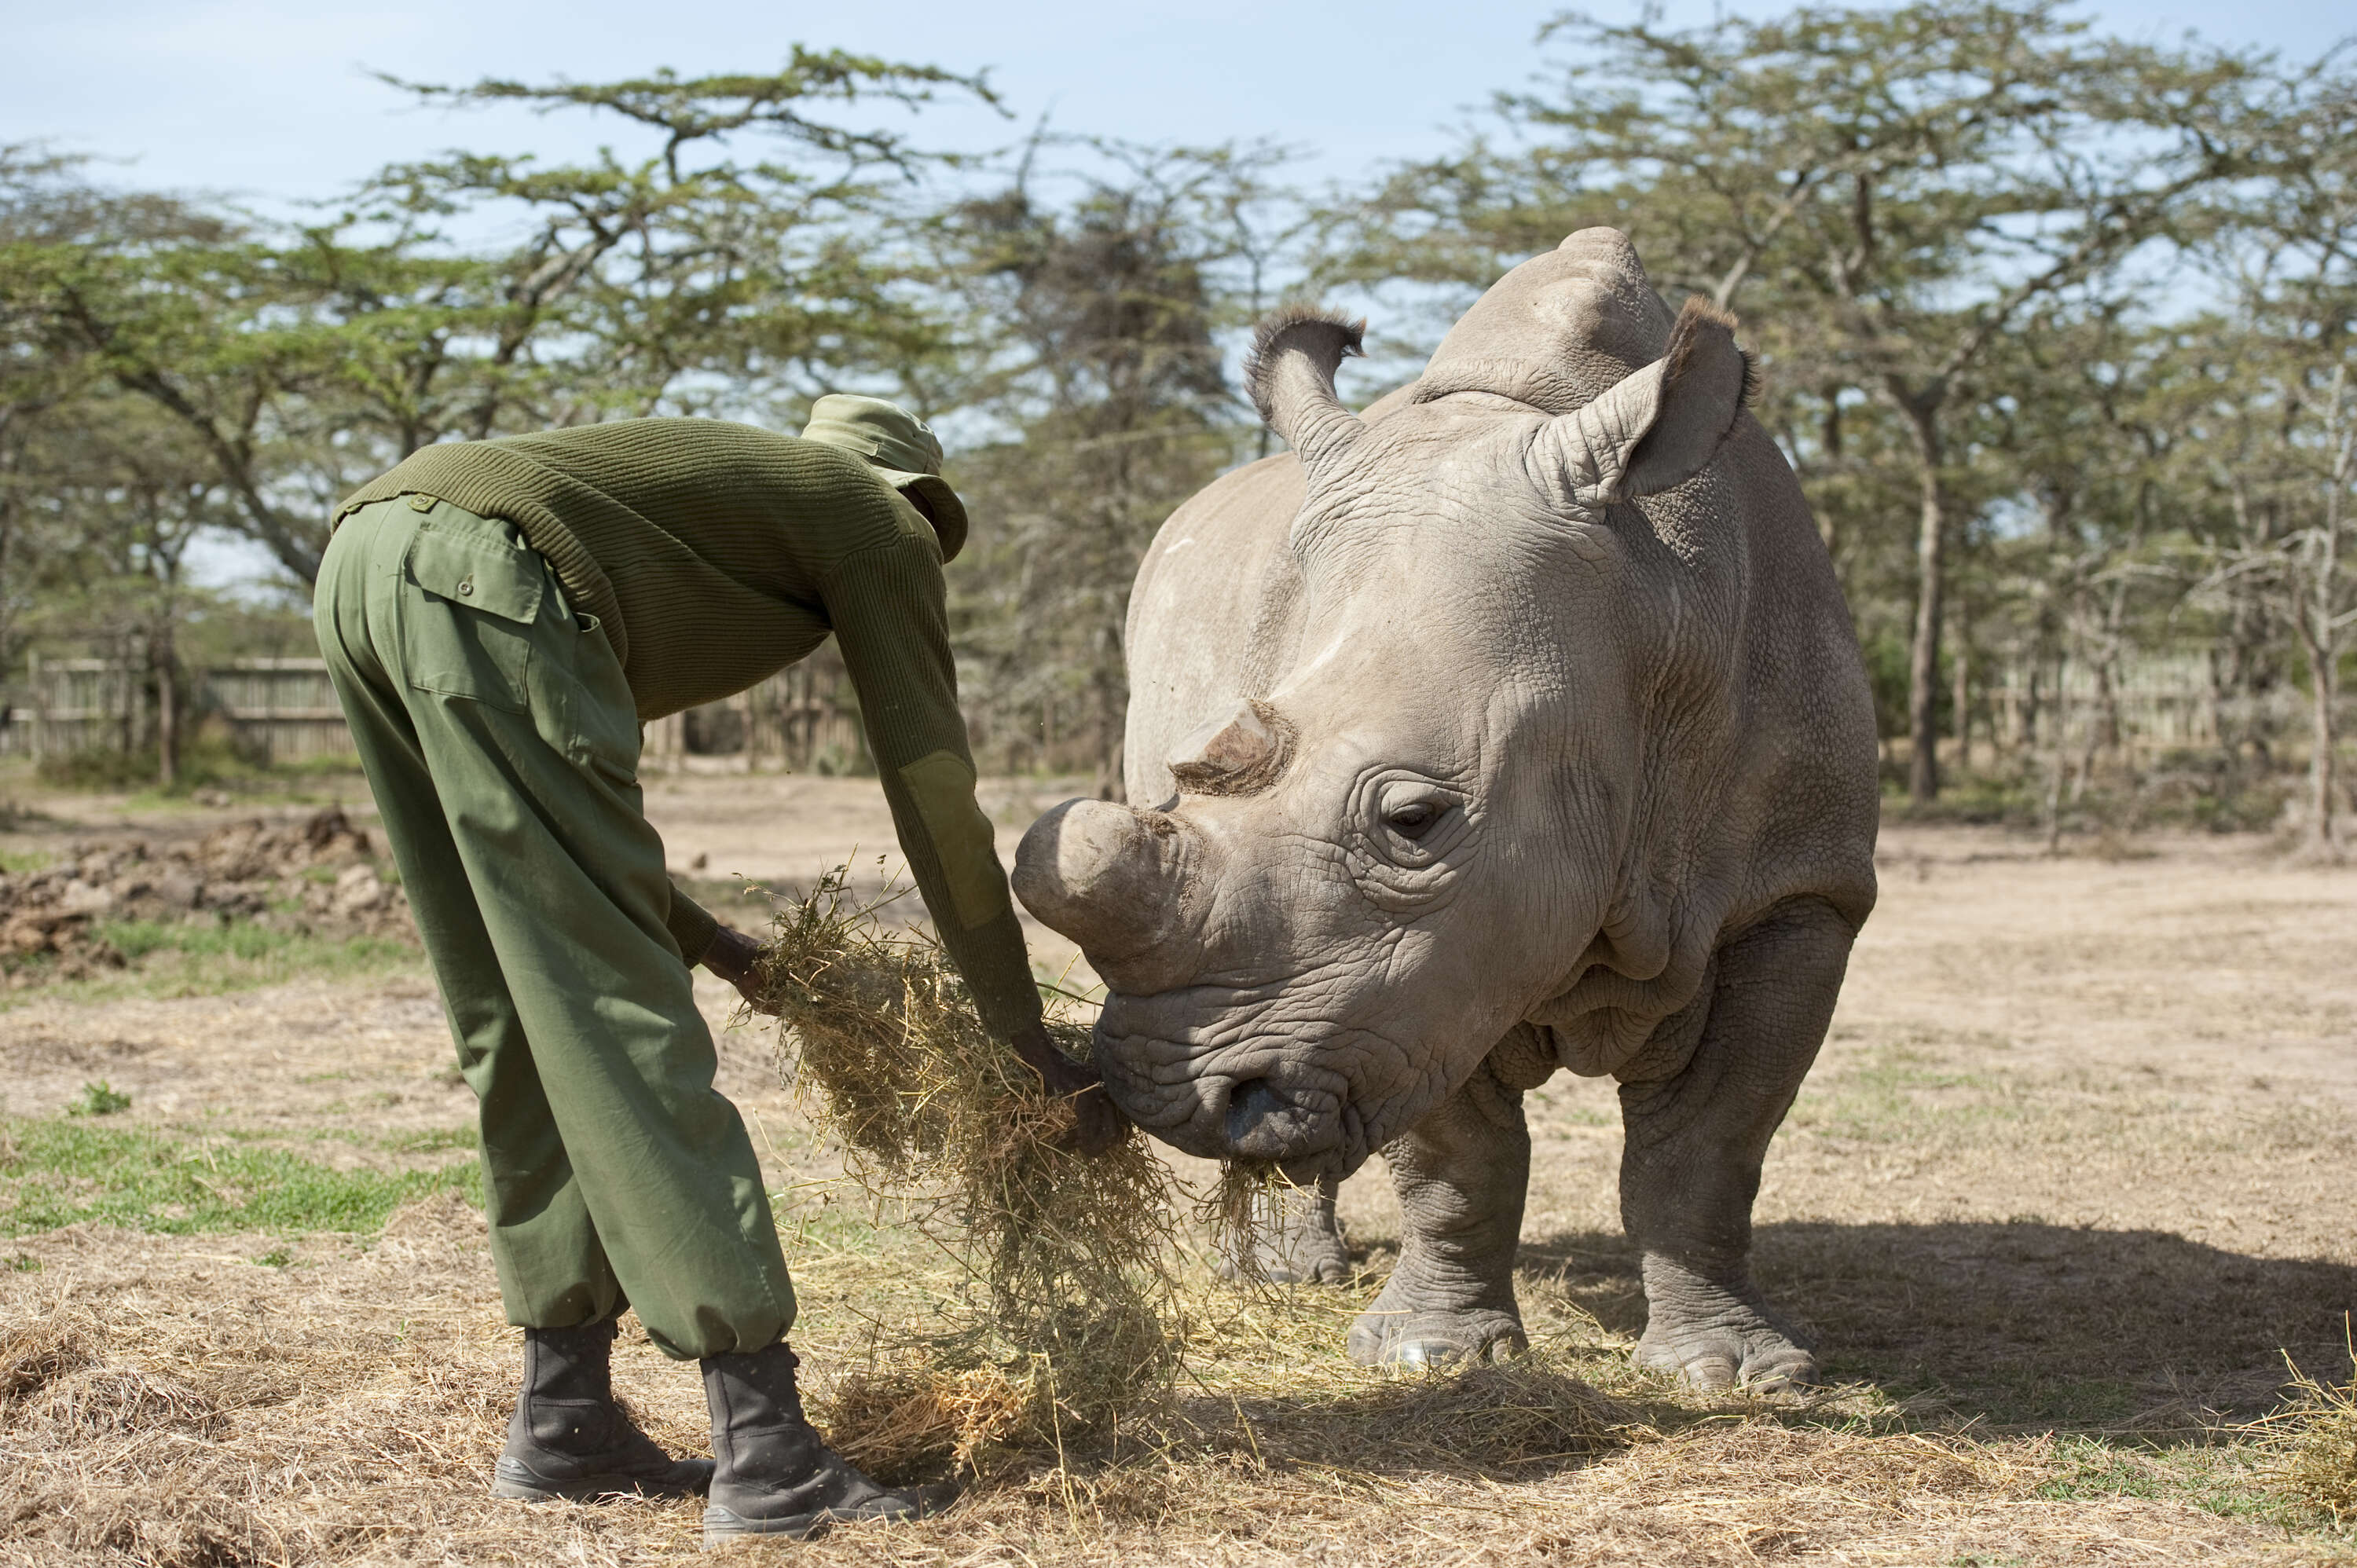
2057,327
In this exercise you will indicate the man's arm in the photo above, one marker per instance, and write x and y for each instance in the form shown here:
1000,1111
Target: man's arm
889,610
891,624
691,927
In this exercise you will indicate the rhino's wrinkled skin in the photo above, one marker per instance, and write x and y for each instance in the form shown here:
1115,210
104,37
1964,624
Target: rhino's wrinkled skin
1513,727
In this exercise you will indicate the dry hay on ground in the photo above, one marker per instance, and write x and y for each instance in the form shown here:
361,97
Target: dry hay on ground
195,1411
347,1409
168,1402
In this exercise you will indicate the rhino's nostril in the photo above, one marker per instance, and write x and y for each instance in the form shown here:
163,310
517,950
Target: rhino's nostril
1260,1121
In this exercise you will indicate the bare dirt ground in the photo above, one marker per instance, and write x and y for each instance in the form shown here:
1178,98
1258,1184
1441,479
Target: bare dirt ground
2076,1171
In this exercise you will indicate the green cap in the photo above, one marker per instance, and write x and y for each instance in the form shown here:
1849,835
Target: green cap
897,445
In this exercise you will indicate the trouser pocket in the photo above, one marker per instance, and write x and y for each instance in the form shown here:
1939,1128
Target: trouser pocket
484,618
467,630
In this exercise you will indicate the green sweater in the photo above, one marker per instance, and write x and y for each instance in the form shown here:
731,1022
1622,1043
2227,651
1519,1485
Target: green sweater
715,554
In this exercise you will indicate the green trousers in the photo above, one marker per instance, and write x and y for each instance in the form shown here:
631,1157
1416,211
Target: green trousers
501,739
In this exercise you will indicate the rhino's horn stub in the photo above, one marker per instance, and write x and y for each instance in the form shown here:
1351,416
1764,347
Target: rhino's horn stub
1235,754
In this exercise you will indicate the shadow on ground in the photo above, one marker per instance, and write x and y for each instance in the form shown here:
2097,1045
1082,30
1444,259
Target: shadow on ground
2022,1325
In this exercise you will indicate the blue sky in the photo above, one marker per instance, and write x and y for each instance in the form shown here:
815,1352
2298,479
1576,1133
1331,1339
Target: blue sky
267,99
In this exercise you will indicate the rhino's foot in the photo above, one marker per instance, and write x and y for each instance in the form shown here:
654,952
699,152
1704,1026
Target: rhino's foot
1716,1336
1717,1360
1382,1337
1290,1269
1295,1254
1297,1240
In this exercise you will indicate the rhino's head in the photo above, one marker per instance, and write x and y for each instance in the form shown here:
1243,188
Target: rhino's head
1373,870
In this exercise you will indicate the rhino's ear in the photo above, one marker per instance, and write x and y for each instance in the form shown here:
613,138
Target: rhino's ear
1661,426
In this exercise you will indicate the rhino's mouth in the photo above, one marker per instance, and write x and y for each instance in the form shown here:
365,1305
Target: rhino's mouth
1272,1096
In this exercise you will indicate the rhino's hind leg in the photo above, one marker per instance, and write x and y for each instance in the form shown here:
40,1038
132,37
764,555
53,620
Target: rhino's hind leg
1461,1174
1296,1237
1697,1137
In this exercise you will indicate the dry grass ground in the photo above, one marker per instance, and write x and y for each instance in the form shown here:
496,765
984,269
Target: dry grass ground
2078,1169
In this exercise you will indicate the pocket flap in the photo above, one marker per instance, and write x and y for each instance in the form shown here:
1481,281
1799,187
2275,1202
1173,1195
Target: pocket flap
481,572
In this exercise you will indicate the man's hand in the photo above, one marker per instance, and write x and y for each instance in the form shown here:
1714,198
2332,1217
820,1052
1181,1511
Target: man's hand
1098,1124
733,956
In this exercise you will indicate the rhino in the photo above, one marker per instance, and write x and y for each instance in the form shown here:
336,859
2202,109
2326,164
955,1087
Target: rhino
1515,725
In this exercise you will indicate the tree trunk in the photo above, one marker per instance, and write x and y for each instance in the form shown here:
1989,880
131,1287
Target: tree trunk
2027,733
127,722
1930,564
1960,702
161,654
2325,643
1112,714
2323,786
2058,735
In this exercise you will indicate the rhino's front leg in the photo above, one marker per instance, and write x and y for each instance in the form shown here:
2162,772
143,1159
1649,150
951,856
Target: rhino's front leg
1695,1138
1297,1239
1461,1174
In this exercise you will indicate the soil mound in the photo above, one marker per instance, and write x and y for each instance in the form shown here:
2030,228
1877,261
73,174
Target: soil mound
318,874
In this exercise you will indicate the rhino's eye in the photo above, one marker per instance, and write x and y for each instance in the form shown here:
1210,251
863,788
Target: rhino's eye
1415,820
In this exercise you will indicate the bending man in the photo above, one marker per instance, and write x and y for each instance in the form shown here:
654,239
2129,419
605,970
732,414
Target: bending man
498,617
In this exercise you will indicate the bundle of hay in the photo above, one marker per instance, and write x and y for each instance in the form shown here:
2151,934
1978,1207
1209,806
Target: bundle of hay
1078,1321
2318,1436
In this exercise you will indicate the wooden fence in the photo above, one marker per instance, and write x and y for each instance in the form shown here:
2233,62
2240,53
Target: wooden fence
2146,705
274,710
803,719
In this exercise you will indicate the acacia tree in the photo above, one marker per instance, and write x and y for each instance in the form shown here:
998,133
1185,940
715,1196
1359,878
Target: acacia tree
2306,554
2282,449
131,491
2298,277
1885,192
693,278
98,499
1096,321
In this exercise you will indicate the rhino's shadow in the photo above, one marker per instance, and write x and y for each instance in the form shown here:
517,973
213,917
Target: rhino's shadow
2021,1324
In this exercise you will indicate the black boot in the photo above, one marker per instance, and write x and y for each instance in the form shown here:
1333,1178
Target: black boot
569,1439
775,1476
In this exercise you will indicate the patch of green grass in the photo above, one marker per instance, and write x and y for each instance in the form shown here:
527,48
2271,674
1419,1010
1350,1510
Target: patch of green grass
60,1171
438,1141
1582,1116
17,863
207,762
24,1263
1896,1094
241,941
2229,1480
2090,1468
99,1098
197,958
